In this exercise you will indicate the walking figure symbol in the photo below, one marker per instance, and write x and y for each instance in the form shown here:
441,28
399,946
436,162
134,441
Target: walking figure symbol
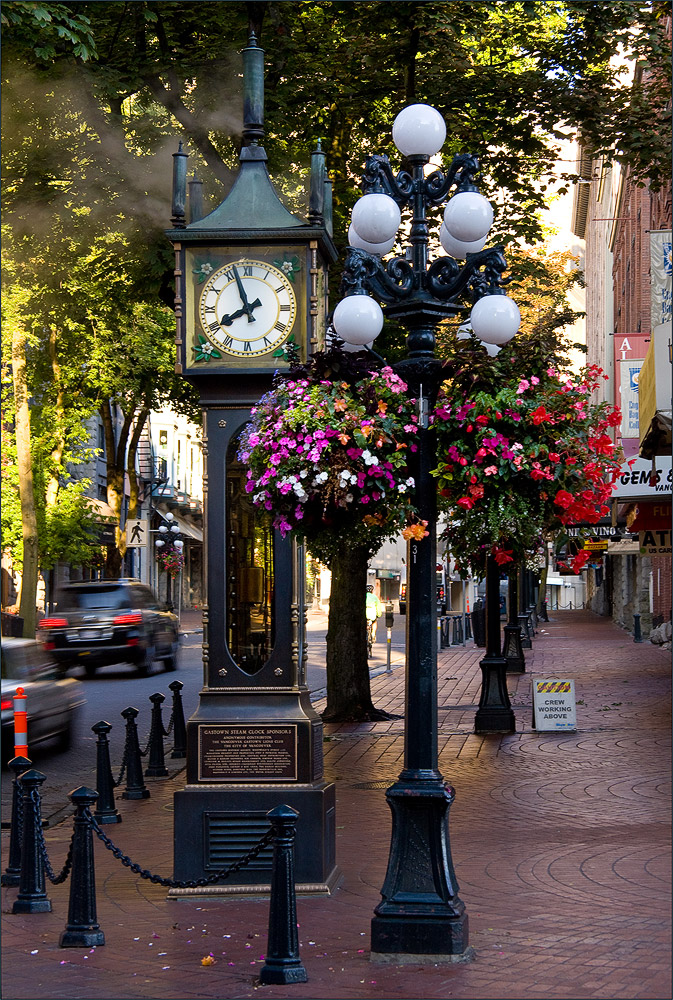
136,533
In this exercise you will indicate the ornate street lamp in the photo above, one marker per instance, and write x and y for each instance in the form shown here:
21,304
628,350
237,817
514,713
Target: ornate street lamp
420,913
168,544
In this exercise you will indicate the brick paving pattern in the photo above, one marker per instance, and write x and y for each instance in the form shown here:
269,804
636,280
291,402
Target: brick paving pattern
561,844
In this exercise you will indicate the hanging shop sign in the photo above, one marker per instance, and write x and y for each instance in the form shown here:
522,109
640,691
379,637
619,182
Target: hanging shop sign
655,543
644,478
554,704
661,271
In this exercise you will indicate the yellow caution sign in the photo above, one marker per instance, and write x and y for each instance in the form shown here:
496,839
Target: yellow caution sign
552,686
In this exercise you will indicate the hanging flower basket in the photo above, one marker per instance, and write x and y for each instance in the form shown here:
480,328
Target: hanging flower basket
521,462
171,561
331,457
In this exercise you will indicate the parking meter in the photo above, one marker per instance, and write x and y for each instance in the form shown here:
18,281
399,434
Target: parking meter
389,616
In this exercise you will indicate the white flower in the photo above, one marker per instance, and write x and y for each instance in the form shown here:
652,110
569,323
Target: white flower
287,267
402,487
349,498
206,268
303,474
369,459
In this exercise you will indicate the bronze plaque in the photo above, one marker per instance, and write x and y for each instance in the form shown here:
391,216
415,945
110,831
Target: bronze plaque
247,753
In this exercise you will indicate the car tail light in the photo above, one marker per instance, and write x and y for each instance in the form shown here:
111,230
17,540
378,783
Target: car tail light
52,623
6,703
49,646
128,620
132,641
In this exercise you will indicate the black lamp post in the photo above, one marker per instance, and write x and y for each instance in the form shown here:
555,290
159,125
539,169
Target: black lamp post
421,914
168,543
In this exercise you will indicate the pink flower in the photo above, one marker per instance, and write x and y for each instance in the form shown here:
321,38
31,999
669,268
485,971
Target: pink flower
491,470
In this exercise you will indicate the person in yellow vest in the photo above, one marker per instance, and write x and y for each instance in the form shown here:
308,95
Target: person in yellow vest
373,611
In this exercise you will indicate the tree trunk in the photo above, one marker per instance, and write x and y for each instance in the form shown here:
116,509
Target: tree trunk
57,451
27,609
348,691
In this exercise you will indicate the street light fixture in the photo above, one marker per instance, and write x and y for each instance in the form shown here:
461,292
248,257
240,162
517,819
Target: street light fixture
420,913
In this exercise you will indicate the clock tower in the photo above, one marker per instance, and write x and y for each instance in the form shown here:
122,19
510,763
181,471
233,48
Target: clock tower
250,280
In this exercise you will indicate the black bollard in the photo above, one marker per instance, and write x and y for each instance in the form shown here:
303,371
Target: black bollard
32,897
637,635
106,811
82,930
135,784
12,873
526,640
179,728
156,767
468,628
282,965
544,615
512,648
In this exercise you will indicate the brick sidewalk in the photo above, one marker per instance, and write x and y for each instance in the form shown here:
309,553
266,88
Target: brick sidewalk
561,844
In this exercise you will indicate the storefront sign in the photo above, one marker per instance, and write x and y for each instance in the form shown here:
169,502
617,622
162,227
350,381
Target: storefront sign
640,478
652,515
655,543
554,704
594,546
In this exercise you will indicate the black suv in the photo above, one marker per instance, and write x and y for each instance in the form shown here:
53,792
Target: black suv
110,621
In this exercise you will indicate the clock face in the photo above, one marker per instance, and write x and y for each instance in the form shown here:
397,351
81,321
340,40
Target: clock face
247,308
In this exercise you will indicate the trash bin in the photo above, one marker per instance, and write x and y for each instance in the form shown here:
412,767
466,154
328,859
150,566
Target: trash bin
12,625
479,623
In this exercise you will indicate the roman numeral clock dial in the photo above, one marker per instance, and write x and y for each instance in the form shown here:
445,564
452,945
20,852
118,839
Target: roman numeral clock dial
247,309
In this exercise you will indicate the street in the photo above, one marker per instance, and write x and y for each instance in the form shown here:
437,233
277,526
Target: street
118,686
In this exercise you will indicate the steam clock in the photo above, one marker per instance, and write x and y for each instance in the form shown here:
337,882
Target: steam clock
251,278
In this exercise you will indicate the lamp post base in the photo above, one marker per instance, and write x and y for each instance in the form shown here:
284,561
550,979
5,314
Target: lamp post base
512,649
494,714
420,913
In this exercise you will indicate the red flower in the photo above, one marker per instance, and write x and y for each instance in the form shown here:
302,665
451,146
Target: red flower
502,555
580,560
540,415
563,499
466,502
602,445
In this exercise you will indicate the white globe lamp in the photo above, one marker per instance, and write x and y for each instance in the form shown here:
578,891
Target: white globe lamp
419,130
468,216
358,320
159,543
458,248
495,319
179,545
378,249
376,218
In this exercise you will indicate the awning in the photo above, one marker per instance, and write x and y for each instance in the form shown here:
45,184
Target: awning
188,530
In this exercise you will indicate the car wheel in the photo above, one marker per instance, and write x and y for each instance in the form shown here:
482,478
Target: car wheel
145,665
172,662
90,669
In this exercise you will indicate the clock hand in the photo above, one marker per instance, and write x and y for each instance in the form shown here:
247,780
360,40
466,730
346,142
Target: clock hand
247,307
228,318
